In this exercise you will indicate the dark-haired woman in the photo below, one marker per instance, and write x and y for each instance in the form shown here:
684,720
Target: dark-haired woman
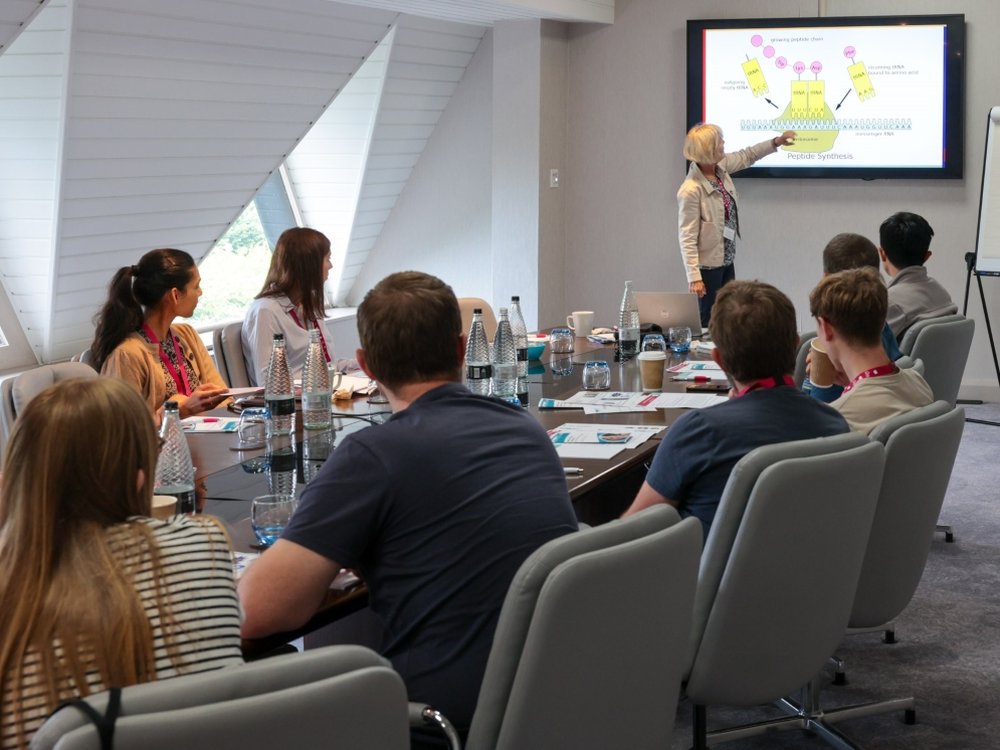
291,302
138,341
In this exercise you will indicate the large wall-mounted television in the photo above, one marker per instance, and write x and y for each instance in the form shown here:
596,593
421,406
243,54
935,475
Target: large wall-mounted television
869,97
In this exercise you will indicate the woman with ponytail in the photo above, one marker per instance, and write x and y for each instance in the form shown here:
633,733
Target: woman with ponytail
138,341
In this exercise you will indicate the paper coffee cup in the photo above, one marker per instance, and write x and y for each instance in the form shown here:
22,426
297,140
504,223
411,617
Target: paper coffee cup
651,366
821,370
164,506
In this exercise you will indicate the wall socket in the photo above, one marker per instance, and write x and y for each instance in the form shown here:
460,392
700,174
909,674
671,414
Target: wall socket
553,178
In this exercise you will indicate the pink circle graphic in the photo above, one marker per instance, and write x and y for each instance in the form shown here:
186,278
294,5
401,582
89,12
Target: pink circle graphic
799,67
756,40
769,51
849,51
816,67
781,63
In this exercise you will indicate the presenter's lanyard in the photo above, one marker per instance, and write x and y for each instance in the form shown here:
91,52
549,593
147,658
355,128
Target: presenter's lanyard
764,383
322,338
889,368
180,378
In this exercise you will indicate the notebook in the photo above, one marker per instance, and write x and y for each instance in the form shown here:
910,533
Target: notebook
667,309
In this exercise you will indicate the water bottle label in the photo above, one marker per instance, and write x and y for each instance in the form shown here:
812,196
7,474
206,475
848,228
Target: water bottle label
280,407
479,372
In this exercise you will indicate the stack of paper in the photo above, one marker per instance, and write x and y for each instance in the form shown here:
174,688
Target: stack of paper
576,440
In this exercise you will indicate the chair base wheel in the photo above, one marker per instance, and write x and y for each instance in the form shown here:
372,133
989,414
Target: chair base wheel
889,636
949,537
839,678
910,716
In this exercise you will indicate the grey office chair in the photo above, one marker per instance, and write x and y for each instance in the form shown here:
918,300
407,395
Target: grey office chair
800,357
228,349
467,305
943,344
87,357
16,392
340,696
779,574
920,450
592,639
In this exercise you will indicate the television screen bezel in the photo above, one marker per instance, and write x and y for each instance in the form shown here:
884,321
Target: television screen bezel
953,107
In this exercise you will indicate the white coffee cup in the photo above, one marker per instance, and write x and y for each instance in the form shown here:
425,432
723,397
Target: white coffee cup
164,506
581,322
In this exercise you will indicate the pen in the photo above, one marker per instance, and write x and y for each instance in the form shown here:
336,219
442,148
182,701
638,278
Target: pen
210,419
696,379
572,470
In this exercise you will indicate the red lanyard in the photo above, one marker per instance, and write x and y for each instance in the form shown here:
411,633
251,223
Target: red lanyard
322,338
889,368
764,383
181,378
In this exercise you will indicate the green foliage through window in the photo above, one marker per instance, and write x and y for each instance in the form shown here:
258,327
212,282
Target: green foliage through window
233,271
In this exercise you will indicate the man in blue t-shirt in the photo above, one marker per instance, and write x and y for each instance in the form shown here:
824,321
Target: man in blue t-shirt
753,327
437,508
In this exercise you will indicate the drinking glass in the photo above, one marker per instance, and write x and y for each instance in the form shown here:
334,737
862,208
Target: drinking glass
654,342
679,338
269,514
254,429
561,341
596,376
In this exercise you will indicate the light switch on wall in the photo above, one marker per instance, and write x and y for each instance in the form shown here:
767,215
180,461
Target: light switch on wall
553,178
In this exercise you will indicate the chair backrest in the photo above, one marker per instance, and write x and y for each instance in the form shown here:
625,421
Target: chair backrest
781,566
943,344
16,392
341,696
800,357
228,348
87,357
595,624
467,305
920,450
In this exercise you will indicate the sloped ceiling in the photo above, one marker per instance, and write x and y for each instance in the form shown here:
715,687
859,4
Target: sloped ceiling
15,15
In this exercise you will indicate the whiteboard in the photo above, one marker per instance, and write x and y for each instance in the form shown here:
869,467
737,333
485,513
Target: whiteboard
988,233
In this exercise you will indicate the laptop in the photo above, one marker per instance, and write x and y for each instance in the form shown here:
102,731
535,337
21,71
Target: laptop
667,309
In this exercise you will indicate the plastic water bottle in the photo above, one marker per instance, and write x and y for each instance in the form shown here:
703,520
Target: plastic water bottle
317,446
174,472
478,369
520,331
278,394
315,386
504,360
628,325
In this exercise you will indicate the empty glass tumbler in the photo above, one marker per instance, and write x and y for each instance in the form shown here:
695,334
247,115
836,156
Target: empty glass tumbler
596,376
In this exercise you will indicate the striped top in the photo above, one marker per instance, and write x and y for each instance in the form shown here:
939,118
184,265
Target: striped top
196,572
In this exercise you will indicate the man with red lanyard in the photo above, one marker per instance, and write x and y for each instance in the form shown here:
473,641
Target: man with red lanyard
850,308
754,329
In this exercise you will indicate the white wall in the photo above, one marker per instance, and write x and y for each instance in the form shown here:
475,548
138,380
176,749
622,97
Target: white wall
441,222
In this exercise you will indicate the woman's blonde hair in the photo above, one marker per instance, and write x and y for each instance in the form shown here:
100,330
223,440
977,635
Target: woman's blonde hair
67,601
702,143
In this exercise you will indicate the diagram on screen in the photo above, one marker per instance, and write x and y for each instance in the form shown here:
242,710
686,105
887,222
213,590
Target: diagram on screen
847,94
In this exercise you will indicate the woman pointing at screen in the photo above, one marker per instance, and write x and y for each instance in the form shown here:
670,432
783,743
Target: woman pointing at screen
708,219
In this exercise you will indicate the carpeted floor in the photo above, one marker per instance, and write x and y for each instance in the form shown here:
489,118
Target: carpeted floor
948,650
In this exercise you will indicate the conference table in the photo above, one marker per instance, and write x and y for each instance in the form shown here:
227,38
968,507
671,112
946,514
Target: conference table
600,492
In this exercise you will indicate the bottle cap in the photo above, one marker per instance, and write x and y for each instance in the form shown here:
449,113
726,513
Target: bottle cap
279,336
477,311
171,406
515,298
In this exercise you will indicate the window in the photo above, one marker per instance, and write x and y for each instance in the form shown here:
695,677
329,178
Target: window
233,271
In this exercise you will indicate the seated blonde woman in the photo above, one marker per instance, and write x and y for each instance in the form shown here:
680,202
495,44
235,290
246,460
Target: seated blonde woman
95,593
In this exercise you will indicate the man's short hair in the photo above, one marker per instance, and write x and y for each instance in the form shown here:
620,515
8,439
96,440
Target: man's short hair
906,238
753,325
410,325
702,143
854,302
848,250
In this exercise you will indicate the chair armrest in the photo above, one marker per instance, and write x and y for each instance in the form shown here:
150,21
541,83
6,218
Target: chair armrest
422,715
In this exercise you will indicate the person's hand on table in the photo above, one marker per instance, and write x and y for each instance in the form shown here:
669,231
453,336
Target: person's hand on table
697,287
206,396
